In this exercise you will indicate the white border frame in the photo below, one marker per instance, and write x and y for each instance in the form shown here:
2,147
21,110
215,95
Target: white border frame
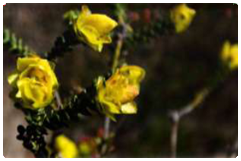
105,1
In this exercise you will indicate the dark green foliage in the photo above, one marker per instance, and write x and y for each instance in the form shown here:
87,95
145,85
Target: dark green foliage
79,105
33,136
176,66
71,16
63,44
15,44
146,33
33,139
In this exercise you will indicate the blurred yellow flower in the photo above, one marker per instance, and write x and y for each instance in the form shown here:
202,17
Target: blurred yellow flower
85,149
229,54
94,29
116,95
66,148
35,80
182,17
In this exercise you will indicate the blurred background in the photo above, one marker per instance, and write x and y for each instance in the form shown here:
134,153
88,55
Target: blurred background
177,67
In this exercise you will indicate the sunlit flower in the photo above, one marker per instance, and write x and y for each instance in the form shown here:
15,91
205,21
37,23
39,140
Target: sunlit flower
88,147
116,95
229,54
35,81
65,147
94,29
182,17
85,149
91,146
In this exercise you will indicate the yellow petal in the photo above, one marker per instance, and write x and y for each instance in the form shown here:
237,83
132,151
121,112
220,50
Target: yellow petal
234,49
94,29
26,89
24,92
41,72
106,39
112,108
12,79
129,93
182,17
33,93
116,95
85,10
35,81
19,95
91,35
85,148
66,147
229,54
108,106
23,63
234,56
83,14
102,23
225,50
129,108
134,73
39,94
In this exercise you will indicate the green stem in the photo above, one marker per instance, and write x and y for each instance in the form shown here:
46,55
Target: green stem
177,115
15,44
117,54
114,66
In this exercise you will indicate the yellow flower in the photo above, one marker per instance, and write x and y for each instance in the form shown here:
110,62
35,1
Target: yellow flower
89,147
116,95
35,80
229,54
65,147
85,149
94,29
182,17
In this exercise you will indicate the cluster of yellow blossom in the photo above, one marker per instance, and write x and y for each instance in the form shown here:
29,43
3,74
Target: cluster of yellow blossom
35,80
87,147
94,29
116,94
65,147
182,17
229,54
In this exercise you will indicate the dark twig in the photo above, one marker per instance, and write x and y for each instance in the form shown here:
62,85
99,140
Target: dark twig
62,44
107,127
176,116
121,36
58,100
15,44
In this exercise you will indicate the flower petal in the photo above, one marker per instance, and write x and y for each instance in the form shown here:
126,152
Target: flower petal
92,37
129,108
225,50
35,81
23,63
12,79
66,147
182,17
134,73
94,29
102,23
234,56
